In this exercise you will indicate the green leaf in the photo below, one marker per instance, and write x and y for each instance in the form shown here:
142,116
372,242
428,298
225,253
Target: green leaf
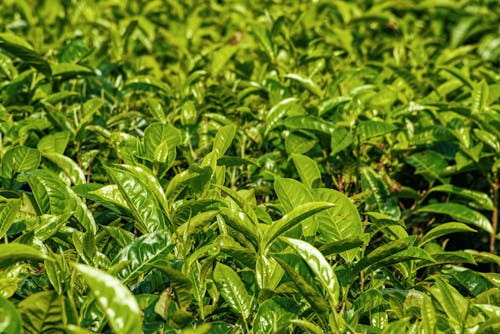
299,142
221,57
268,273
303,281
19,159
14,252
379,254
264,38
454,305
430,164
460,213
232,290
367,301
481,200
445,229
54,143
341,222
380,200
157,136
146,83
479,99
370,129
68,166
291,219
428,316
319,266
308,326
115,300
22,49
241,203
69,70
307,83
272,317
53,196
42,312
8,212
223,139
240,223
341,139
311,123
278,111
411,253
308,170
343,245
183,287
141,254
10,320
141,201
291,194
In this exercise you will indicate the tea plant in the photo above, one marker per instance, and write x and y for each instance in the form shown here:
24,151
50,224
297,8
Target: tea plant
249,167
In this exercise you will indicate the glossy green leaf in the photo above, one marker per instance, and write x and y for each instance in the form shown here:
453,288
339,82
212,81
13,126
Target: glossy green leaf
14,252
309,123
232,290
272,317
460,213
146,83
223,139
454,305
319,266
117,302
291,219
303,280
240,223
69,70
308,170
8,212
159,135
143,205
10,320
480,200
221,57
341,139
310,327
54,142
142,254
479,97
341,222
19,159
278,111
428,315
379,254
444,229
68,166
380,200
307,83
343,245
293,193
183,287
53,196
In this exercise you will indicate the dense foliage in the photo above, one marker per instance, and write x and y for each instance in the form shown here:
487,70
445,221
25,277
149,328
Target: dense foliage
249,166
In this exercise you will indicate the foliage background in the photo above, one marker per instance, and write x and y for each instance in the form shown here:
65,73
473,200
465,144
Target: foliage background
244,166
